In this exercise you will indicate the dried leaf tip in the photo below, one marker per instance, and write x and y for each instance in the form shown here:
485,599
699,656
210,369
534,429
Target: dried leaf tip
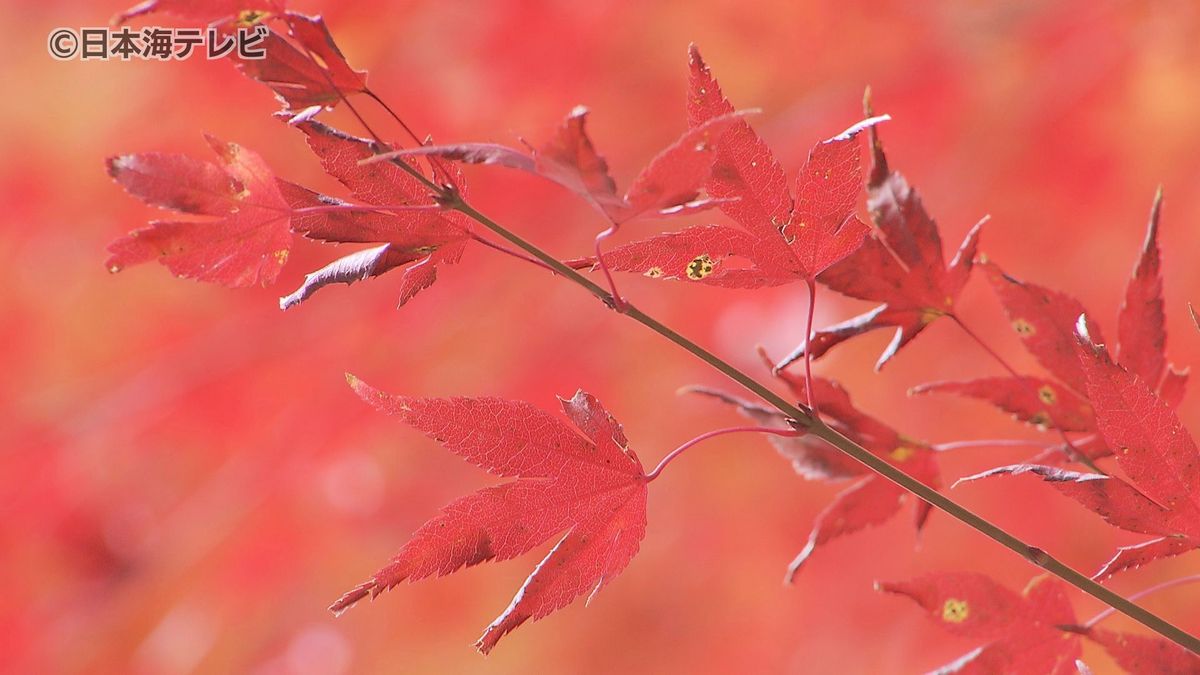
858,127
1084,336
879,165
1081,330
304,115
579,395
1152,227
1195,317
117,163
350,598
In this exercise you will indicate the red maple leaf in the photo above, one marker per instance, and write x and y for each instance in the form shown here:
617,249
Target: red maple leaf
1034,631
256,213
247,242
308,71
781,239
871,499
1021,630
1141,325
406,229
1038,401
592,486
1152,447
427,237
900,266
1045,319
670,184
208,11
1144,654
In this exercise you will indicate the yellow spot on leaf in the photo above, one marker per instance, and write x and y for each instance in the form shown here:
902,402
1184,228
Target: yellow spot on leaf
902,453
1046,393
700,267
654,272
955,610
930,314
281,256
249,17
1023,328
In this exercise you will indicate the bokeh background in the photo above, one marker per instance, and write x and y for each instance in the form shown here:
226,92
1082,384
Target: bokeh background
186,481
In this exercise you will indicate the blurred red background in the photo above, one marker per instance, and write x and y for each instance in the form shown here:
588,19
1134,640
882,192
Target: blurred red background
188,482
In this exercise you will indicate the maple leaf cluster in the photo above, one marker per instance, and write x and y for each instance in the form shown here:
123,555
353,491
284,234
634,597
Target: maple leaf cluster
669,185
781,238
254,215
1034,631
1124,408
1156,453
590,486
581,482
813,236
1045,321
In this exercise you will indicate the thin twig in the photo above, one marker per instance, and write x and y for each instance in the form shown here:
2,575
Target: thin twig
375,97
808,337
391,208
435,162
711,434
1141,594
988,443
508,251
619,303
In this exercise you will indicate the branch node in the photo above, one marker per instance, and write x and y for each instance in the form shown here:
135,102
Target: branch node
448,197
1037,556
